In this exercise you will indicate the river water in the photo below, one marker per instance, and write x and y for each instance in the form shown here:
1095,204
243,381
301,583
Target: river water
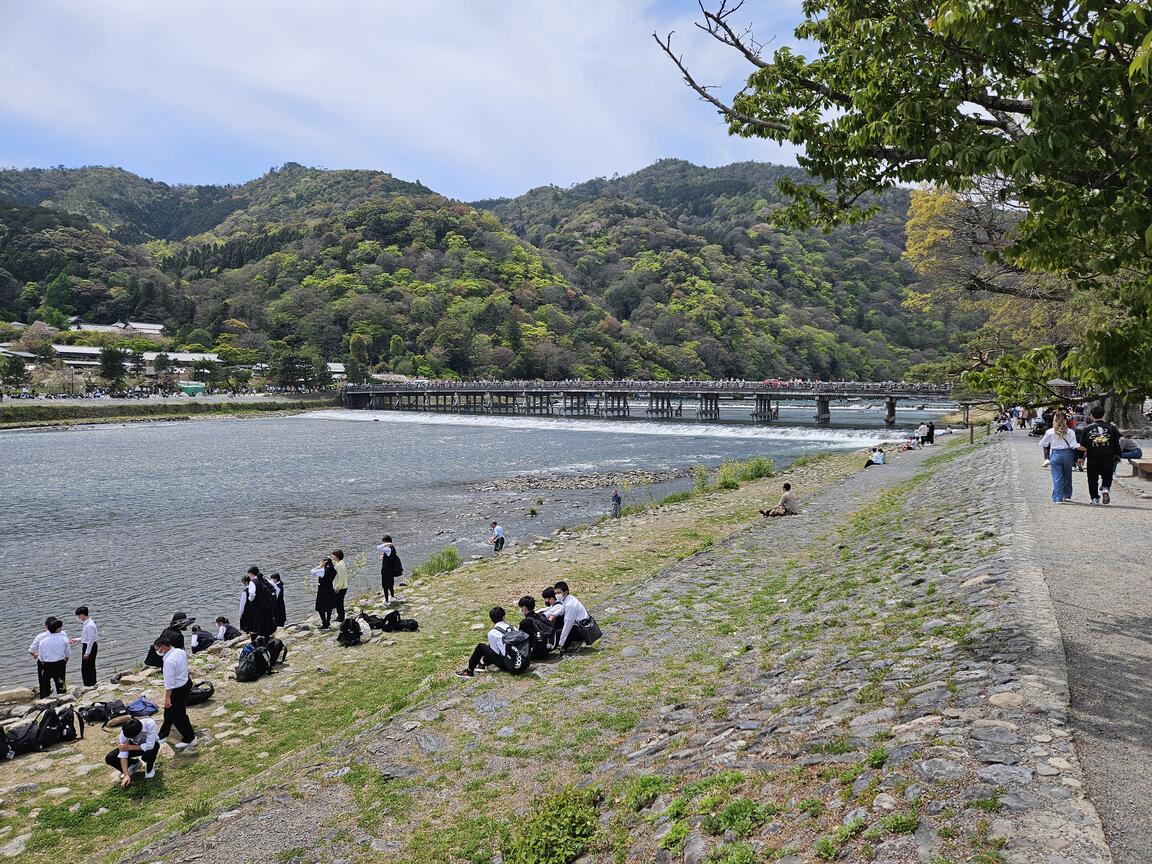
140,520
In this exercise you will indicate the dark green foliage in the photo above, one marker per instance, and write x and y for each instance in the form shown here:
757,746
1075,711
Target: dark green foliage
558,831
671,272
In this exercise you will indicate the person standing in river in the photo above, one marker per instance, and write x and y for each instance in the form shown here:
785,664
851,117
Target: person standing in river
341,583
390,567
325,575
497,538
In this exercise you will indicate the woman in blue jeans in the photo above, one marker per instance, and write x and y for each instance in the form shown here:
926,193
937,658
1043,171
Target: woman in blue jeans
1063,446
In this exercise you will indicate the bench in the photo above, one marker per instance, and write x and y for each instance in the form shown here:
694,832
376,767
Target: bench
1143,467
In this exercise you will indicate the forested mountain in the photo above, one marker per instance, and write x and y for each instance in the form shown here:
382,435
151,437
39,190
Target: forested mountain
673,271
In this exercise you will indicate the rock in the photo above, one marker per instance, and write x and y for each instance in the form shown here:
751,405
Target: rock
927,843
1006,700
995,735
695,849
939,770
16,694
15,846
57,791
431,743
1005,775
289,698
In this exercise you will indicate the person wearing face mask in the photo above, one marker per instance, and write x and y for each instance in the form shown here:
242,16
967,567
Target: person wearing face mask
177,684
573,612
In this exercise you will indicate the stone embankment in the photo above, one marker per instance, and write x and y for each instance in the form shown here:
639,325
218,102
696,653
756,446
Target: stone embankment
878,679
589,480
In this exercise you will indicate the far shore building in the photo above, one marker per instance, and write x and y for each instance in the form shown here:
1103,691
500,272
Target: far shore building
87,357
120,328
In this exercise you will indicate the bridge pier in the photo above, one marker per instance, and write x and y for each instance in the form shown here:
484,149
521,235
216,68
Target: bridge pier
709,406
823,410
764,410
537,402
503,403
660,405
890,411
472,403
575,404
615,404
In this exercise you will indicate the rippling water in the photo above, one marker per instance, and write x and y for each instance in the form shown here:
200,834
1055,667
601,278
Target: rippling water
140,520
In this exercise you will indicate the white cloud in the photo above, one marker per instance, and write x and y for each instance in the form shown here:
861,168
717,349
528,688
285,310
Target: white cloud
473,98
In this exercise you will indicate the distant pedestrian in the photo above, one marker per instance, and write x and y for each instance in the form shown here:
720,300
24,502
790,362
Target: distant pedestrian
51,650
88,639
279,611
922,433
497,538
341,583
391,569
617,504
177,684
1062,448
1101,443
325,575
931,432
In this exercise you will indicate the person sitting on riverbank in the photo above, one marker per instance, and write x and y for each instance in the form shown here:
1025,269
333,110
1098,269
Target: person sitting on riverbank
541,633
572,612
786,506
139,745
51,650
553,611
494,652
876,457
200,640
1129,449
225,630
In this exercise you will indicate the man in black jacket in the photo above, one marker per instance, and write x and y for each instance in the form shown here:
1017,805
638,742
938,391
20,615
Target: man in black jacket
1101,441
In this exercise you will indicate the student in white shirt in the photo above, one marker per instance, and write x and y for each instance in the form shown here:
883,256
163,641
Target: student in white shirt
493,652
497,538
177,684
574,613
225,630
88,639
139,742
341,582
52,649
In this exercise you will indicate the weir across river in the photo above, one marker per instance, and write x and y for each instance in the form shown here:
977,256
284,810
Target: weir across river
700,400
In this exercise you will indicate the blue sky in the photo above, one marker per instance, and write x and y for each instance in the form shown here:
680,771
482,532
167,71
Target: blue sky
474,98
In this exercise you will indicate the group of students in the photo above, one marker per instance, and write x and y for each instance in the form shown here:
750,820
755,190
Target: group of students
562,625
331,577
52,649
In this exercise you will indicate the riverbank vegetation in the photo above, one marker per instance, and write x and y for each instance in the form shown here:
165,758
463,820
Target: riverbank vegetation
29,413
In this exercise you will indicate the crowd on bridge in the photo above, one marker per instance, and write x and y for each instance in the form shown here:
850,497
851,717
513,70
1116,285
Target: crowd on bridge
725,385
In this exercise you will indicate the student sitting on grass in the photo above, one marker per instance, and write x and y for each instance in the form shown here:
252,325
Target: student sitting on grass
541,633
787,506
139,743
571,612
494,652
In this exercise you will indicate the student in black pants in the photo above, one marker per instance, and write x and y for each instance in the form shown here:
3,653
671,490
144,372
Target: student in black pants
492,653
138,741
51,650
88,644
177,685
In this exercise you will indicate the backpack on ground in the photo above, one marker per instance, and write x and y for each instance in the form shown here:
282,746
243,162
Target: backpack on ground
375,621
200,693
349,634
102,712
391,622
407,625
253,663
50,730
23,739
517,648
68,720
277,651
541,636
142,707
589,630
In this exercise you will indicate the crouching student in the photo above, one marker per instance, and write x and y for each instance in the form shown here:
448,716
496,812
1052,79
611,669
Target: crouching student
570,612
494,653
225,630
201,639
139,744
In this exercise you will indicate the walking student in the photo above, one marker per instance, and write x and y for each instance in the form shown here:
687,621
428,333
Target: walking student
139,744
1062,447
88,636
177,684
51,650
497,538
1101,443
340,585
390,567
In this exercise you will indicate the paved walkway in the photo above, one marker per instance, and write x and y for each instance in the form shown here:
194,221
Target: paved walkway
1095,561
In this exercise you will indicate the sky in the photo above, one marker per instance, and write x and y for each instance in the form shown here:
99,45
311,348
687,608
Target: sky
474,98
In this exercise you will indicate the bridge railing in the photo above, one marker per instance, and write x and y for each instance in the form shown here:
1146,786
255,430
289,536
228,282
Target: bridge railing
830,388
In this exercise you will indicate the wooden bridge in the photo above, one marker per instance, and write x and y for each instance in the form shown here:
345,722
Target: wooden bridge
615,399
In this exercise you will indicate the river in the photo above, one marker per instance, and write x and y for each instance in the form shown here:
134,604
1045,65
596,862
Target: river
140,520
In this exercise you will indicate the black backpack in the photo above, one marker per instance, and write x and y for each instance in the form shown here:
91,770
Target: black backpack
68,719
277,651
390,622
541,636
254,662
102,712
517,649
349,634
23,739
376,622
51,731
410,625
200,693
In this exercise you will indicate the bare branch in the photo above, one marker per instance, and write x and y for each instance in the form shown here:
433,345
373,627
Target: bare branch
703,92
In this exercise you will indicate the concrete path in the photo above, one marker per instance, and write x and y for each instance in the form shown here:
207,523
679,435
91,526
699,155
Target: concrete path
1096,562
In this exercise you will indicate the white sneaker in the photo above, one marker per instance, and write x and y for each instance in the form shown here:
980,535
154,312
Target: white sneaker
148,775
1046,463
184,745
161,742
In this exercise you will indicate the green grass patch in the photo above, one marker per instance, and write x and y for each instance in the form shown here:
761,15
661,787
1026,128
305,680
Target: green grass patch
558,831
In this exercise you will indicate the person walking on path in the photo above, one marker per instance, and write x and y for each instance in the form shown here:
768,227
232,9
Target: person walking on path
325,575
1101,443
390,567
177,685
617,503
1062,448
340,585
88,636
51,650
497,538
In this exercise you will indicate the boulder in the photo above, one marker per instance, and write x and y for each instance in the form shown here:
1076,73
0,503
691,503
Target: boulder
16,694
